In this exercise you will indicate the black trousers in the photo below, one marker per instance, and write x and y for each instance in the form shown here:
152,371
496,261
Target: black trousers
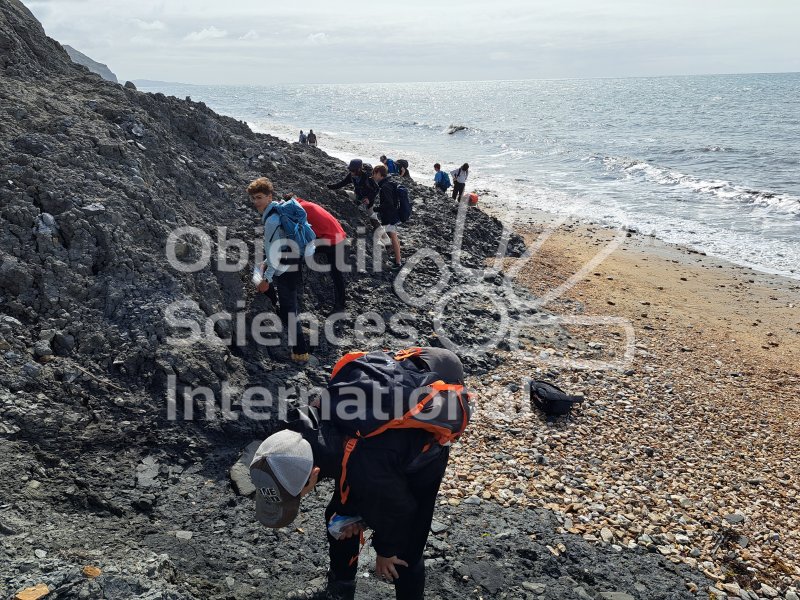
331,253
424,485
458,189
288,286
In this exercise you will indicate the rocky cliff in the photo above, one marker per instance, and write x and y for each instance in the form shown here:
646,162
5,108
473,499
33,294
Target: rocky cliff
94,66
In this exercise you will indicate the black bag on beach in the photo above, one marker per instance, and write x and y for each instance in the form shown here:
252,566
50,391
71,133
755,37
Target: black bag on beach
551,399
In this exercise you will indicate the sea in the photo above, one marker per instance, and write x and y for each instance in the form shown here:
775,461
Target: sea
708,162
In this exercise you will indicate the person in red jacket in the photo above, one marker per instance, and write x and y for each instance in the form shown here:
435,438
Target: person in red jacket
330,243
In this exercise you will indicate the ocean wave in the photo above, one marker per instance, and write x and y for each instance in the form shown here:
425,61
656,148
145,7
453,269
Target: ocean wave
719,188
702,149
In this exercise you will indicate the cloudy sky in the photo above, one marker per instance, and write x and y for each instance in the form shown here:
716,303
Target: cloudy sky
314,41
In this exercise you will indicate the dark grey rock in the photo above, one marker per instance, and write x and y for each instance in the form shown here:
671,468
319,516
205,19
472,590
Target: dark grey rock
32,370
438,527
42,348
147,472
240,471
735,518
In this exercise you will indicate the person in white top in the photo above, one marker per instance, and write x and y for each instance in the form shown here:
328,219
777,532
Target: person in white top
459,180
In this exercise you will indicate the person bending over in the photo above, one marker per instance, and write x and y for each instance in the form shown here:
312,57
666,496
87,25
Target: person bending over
385,481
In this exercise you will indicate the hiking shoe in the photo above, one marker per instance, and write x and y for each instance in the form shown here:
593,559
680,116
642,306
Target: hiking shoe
397,266
300,358
328,590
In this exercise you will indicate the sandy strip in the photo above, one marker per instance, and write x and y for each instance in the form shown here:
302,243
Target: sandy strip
691,448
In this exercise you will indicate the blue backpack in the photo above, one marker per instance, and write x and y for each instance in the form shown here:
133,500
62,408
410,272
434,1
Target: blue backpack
295,223
391,167
444,180
404,203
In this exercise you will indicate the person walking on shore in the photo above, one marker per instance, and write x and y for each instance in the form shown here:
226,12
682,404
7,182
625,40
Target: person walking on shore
303,139
312,138
387,481
282,266
389,209
459,180
330,242
441,180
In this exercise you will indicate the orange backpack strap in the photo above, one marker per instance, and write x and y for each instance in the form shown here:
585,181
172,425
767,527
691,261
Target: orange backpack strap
441,386
407,353
463,397
348,450
407,421
349,357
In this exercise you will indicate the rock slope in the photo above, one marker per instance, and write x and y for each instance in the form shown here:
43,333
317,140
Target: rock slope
101,69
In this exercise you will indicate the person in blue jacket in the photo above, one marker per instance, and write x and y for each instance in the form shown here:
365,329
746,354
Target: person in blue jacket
441,180
391,166
280,269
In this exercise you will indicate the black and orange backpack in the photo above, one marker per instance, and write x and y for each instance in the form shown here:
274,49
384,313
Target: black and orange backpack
372,392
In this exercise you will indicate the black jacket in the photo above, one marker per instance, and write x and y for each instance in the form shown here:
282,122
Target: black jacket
378,474
365,187
388,207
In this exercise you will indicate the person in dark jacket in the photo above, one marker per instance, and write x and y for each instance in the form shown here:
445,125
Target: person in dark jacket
392,491
388,209
402,169
366,189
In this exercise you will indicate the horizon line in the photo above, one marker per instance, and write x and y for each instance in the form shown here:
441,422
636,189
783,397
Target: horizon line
145,79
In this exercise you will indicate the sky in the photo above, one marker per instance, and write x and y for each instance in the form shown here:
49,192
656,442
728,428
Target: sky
351,41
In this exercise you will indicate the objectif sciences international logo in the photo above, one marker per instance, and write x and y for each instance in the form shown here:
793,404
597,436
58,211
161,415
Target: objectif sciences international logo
512,313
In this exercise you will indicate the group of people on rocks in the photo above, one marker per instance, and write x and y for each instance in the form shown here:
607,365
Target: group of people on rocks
371,184
376,191
387,479
441,179
307,140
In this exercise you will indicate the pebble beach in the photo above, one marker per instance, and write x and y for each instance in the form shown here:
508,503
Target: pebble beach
690,451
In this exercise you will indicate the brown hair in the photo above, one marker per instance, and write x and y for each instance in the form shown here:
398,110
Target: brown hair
380,170
262,185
